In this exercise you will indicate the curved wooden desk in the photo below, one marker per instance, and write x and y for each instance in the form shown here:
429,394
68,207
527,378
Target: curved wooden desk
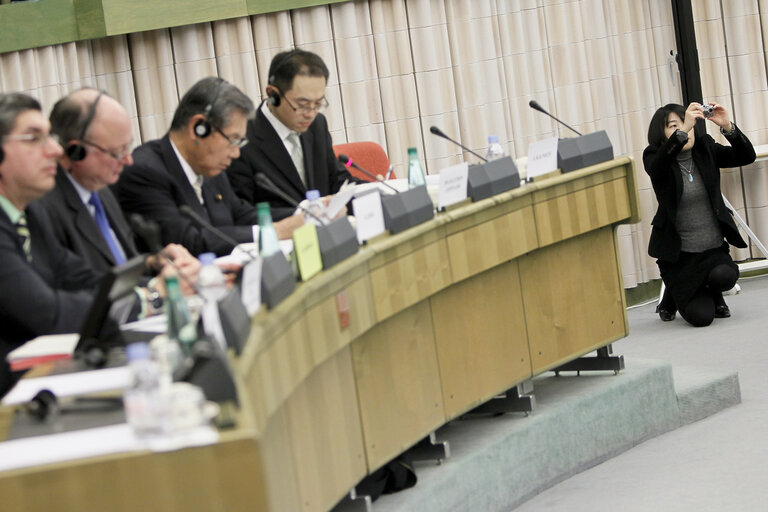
442,317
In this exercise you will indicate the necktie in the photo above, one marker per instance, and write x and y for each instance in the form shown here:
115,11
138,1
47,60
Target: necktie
198,186
101,220
23,230
297,155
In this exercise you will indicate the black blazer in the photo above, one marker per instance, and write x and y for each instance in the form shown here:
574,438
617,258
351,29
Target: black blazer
708,156
266,153
155,186
76,228
51,295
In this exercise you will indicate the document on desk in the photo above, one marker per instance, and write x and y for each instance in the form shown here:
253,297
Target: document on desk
340,200
70,384
93,442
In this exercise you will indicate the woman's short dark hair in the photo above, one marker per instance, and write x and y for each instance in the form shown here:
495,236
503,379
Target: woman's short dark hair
214,97
656,134
11,105
285,66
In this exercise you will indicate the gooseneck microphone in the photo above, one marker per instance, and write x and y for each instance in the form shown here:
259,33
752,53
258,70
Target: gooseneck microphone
349,162
149,232
264,182
535,106
437,131
204,224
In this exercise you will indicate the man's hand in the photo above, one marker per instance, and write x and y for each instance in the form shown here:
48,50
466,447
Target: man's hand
288,225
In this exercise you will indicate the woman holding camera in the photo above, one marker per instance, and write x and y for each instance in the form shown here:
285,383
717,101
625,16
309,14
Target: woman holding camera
692,228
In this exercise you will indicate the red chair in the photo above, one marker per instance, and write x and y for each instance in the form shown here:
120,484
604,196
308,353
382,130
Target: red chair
368,155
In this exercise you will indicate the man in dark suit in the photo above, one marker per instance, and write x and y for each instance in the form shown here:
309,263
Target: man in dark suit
44,288
185,168
95,130
289,138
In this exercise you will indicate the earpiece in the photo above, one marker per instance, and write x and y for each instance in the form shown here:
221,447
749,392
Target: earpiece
76,150
274,98
2,155
203,127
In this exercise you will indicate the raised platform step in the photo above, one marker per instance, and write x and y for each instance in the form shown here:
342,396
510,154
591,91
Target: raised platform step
498,462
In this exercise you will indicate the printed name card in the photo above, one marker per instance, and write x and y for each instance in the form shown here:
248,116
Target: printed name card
453,185
250,292
542,157
306,249
369,216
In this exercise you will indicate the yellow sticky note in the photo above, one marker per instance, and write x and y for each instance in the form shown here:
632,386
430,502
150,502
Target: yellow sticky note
306,249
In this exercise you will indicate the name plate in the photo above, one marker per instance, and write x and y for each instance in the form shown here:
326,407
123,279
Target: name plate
542,157
369,215
306,248
453,185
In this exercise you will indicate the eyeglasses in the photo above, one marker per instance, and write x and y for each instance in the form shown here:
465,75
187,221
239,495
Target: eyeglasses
306,107
117,156
235,143
37,138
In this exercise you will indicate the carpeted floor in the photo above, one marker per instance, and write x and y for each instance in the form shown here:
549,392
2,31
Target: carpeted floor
718,464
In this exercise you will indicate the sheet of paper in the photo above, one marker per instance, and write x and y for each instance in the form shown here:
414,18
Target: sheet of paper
399,184
70,384
156,323
45,346
369,216
453,185
307,251
340,200
542,157
250,285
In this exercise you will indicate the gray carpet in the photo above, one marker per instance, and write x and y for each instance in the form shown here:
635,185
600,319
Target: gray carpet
717,464
616,425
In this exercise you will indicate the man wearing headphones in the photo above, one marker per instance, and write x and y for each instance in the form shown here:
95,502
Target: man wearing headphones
95,130
44,288
289,138
185,168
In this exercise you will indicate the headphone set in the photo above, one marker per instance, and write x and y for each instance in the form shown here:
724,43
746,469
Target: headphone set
274,96
203,126
77,151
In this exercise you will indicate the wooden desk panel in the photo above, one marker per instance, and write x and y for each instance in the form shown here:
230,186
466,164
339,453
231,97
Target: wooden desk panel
574,301
481,338
398,383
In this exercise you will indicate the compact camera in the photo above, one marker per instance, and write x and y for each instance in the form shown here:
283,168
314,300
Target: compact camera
708,110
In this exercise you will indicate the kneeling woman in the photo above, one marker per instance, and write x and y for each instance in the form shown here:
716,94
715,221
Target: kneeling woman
692,219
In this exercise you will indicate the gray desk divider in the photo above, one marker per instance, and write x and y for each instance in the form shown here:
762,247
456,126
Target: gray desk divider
579,152
491,178
407,209
277,279
338,241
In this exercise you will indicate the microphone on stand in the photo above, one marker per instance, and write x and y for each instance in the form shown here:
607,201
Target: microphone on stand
264,182
207,226
149,232
349,162
437,131
535,106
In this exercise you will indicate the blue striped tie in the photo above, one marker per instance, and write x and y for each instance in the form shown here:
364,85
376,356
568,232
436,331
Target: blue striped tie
101,219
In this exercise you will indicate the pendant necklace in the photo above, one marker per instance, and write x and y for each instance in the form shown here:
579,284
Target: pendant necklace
688,171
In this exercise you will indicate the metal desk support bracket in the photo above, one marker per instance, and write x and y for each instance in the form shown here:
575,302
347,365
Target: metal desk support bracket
604,361
353,503
430,449
517,399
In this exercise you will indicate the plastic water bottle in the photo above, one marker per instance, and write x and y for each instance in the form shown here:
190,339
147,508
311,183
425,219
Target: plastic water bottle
268,244
416,175
494,148
315,207
180,326
212,287
144,400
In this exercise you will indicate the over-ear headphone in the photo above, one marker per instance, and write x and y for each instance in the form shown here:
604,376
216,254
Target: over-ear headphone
203,126
273,98
2,155
76,151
